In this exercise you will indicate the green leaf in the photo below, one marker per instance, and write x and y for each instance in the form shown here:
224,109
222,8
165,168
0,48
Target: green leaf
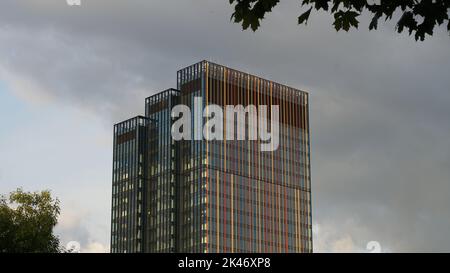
304,17
374,23
335,6
345,20
407,20
321,4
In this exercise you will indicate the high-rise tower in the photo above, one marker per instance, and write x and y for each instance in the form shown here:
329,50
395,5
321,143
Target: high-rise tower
213,195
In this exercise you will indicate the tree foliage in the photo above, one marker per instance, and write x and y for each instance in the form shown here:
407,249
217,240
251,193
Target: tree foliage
419,17
27,220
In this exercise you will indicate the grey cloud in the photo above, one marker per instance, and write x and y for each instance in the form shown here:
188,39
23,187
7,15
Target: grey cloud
381,136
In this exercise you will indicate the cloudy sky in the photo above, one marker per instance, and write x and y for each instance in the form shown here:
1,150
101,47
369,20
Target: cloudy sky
379,118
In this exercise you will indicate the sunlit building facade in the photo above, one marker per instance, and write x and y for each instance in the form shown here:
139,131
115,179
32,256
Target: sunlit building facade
218,195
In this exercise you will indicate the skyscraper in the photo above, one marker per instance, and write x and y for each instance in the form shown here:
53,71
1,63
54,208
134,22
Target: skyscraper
213,195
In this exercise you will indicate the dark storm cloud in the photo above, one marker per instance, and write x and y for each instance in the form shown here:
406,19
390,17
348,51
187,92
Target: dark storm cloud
380,101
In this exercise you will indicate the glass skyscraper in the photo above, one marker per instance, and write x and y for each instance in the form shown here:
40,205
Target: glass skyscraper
216,195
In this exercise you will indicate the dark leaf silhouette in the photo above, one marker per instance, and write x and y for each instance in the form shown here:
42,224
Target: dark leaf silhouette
418,17
304,17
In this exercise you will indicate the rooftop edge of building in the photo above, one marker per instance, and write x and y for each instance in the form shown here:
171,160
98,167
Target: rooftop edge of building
138,118
171,91
239,71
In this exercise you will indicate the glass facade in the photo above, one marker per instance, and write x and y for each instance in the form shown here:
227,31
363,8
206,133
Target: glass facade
224,195
128,185
161,190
